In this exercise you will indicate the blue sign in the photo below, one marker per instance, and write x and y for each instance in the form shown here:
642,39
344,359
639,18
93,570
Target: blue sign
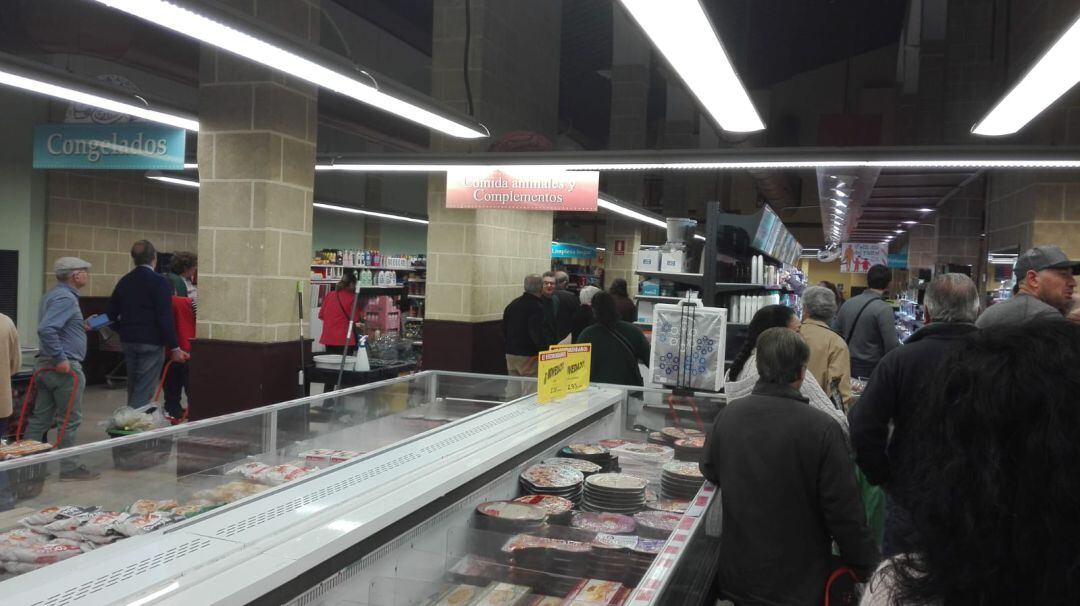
898,260
130,146
560,250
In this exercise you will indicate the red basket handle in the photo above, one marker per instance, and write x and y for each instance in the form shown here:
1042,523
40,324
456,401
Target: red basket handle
29,397
836,574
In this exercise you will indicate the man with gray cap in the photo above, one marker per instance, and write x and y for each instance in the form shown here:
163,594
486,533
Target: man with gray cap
62,336
1045,279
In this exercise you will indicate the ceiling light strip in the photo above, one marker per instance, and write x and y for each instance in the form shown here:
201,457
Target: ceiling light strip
1052,76
369,213
218,33
42,81
682,32
174,180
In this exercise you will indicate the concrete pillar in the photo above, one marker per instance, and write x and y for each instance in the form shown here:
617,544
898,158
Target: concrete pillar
477,259
922,247
622,266
256,168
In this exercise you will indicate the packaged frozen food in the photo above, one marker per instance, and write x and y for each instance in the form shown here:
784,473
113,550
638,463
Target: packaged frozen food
319,457
42,553
70,522
502,594
82,539
458,595
227,493
150,506
102,523
279,474
340,456
143,524
21,567
247,470
192,510
48,515
20,536
23,448
596,592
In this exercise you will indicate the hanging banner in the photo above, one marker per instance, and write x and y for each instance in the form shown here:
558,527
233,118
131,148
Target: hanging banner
858,258
521,188
130,146
551,376
578,365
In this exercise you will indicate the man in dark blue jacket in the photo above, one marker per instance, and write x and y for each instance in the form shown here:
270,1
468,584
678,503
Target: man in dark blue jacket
141,307
895,389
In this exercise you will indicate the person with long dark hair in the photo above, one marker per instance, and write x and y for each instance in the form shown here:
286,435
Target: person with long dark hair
618,346
743,374
995,451
623,303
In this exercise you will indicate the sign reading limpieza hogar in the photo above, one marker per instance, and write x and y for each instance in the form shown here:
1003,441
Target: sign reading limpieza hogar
551,376
520,188
578,365
858,258
129,146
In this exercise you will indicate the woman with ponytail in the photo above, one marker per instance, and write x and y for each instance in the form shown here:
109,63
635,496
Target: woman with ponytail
743,374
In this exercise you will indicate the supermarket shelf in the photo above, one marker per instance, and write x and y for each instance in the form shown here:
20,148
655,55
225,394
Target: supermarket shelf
694,279
411,319
729,324
659,298
374,287
739,287
417,297
371,267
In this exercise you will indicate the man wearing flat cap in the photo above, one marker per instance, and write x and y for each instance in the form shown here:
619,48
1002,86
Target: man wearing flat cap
62,337
1045,277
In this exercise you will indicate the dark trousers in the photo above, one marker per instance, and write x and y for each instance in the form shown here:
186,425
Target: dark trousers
862,369
899,529
176,381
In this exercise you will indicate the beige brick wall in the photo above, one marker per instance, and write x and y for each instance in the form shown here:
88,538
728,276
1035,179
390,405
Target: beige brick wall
97,216
478,259
622,266
1035,208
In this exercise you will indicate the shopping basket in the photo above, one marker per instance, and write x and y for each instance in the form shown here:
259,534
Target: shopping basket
144,453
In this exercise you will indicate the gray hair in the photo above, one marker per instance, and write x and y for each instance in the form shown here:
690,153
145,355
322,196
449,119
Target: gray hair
63,275
534,284
781,355
952,298
587,293
819,303
561,279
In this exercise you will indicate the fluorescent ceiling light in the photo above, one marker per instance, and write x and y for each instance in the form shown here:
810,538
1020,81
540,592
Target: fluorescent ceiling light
1051,77
214,33
926,210
911,222
841,193
839,203
191,165
79,94
681,31
174,180
370,213
423,167
632,214
601,248
898,231
699,237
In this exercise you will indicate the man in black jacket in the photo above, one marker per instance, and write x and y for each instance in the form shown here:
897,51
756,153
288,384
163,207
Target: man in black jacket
141,307
524,329
787,487
898,385
567,306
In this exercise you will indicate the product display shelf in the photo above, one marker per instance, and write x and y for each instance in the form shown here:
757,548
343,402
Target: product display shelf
679,278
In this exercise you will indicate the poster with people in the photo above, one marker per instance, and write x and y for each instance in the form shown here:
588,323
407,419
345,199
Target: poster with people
858,257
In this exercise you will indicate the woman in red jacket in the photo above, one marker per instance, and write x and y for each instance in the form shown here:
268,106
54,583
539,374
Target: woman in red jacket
334,314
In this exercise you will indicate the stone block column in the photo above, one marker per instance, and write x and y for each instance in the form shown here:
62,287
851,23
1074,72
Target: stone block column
622,266
478,259
256,169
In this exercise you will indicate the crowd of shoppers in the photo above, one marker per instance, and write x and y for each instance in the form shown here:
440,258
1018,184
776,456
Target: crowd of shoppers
970,432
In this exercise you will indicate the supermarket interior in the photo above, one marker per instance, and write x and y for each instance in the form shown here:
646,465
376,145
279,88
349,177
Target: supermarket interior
411,302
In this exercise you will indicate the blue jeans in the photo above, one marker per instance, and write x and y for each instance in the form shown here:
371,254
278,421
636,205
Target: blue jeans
53,392
143,363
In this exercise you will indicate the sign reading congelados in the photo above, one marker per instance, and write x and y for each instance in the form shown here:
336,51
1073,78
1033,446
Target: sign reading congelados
109,146
522,188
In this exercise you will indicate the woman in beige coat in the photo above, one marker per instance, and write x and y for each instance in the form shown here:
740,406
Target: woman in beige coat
10,361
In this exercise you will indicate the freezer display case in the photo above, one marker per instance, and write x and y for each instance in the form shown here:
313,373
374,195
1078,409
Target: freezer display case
399,492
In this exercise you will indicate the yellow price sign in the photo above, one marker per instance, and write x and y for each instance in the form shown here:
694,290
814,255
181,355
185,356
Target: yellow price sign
551,376
578,365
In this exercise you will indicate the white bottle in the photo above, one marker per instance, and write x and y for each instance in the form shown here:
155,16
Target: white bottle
733,309
753,269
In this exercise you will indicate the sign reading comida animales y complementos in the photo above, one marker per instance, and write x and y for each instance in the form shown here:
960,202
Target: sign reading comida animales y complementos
522,188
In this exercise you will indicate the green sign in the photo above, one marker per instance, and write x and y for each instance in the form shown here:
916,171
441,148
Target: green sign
129,146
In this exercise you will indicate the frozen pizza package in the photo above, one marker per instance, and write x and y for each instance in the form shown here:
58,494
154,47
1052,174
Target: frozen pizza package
597,592
319,457
21,537
74,518
143,524
43,553
248,471
49,515
83,539
279,474
150,506
102,524
503,594
340,456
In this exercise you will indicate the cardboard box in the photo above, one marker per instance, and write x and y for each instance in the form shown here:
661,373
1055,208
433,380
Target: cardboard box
673,262
648,259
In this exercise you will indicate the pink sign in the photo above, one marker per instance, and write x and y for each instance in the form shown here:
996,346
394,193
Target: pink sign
521,188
